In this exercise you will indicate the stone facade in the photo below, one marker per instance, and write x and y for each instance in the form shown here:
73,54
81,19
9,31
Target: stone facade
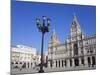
23,57
78,50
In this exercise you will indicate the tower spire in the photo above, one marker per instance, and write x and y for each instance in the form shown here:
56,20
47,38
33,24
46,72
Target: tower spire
53,37
75,26
74,17
74,14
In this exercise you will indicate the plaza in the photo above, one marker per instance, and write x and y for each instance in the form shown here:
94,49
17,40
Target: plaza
78,52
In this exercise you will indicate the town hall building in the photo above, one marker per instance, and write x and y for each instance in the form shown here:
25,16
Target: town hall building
77,52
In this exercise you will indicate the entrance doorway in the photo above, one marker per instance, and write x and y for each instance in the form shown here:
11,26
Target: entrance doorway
76,62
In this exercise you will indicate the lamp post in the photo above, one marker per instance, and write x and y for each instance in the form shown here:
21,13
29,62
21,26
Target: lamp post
43,28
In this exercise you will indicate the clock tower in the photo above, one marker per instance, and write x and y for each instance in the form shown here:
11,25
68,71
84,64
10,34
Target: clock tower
75,27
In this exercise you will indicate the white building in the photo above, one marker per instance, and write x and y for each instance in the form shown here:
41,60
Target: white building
78,50
23,56
45,57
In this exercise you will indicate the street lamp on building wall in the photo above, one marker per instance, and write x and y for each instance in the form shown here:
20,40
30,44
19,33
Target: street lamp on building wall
43,28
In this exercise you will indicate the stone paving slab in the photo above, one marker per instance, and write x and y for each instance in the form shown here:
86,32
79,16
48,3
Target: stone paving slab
46,70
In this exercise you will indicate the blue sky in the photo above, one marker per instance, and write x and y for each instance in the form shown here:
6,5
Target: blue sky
24,30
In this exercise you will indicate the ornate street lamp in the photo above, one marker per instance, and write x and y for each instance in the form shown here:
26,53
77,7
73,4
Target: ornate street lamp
43,28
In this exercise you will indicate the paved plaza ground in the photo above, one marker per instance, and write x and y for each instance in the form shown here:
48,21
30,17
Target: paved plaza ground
46,70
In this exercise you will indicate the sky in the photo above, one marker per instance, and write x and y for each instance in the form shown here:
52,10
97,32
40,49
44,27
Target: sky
23,21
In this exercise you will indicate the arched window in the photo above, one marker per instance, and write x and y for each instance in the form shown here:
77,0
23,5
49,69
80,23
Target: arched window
70,62
51,63
82,60
24,65
56,63
31,64
20,62
28,65
93,61
65,63
59,63
89,61
16,63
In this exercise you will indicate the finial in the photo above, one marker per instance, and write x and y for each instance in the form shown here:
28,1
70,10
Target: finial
74,16
54,30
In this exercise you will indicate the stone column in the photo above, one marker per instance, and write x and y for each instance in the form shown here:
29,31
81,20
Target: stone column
79,51
30,65
54,63
73,64
80,63
64,63
26,64
91,61
48,64
60,63
68,62
85,61
33,64
18,64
